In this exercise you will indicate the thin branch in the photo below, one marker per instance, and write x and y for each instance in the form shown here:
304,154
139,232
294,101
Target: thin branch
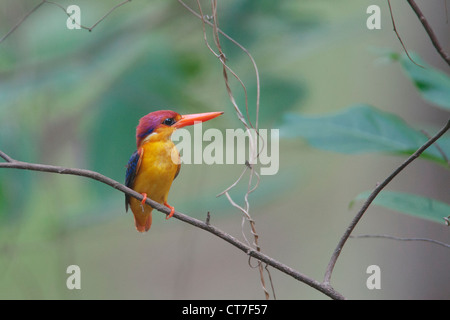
447,221
65,11
438,147
384,236
108,13
372,196
398,36
6,157
98,21
22,20
213,22
258,86
222,60
325,289
429,31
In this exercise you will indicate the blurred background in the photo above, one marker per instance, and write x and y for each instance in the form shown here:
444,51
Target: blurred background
73,98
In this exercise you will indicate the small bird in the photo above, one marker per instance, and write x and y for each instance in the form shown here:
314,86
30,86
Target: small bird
155,164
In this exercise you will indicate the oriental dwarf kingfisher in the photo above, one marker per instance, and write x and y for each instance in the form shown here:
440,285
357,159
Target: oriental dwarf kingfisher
155,164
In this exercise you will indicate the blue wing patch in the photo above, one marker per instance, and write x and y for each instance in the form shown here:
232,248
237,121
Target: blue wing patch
132,170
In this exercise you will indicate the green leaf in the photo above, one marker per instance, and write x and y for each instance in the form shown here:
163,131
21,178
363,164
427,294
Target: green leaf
433,85
411,204
359,129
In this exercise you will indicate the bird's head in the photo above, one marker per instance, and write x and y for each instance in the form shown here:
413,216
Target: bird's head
161,124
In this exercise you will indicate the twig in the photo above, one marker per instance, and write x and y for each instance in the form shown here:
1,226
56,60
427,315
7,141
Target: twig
324,288
108,13
6,157
208,218
429,31
222,58
372,196
64,10
438,147
398,36
240,47
384,236
22,20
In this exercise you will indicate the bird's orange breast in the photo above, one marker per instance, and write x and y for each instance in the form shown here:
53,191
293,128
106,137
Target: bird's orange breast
157,170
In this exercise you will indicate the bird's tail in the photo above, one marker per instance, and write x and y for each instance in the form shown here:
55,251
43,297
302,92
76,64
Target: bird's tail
142,215
143,221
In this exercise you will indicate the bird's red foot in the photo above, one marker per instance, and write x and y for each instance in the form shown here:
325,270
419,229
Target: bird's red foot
172,210
143,201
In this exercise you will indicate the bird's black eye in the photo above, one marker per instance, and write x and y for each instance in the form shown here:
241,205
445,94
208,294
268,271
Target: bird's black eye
169,121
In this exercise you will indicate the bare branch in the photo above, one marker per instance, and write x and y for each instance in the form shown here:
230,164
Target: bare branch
398,36
384,236
213,22
64,10
429,31
108,13
372,196
22,20
438,147
326,289
240,47
6,157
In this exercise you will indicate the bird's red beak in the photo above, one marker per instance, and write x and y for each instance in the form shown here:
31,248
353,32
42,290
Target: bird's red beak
190,119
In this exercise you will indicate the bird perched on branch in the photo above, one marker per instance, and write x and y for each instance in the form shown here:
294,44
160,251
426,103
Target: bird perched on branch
155,164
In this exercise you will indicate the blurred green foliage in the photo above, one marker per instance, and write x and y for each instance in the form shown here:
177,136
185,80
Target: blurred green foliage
360,129
433,85
410,204
364,128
